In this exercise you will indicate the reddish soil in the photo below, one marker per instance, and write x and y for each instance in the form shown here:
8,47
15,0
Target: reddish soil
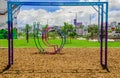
70,63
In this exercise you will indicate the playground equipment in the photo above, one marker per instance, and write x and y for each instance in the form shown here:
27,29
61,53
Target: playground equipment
45,39
103,14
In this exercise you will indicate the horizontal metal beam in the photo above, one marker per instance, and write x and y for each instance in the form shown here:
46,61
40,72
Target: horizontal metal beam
95,8
16,9
58,3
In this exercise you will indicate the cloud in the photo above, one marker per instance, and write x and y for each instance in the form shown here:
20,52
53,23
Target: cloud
92,0
66,14
49,0
114,4
114,16
30,16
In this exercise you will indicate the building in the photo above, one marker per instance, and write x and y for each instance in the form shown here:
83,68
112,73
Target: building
114,26
118,23
79,27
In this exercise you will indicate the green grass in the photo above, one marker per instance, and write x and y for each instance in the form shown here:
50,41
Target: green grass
21,43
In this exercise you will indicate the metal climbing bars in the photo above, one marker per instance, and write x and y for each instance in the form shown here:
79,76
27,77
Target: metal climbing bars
103,17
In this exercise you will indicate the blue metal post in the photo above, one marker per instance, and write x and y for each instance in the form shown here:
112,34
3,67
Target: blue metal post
98,23
12,45
9,34
101,45
106,36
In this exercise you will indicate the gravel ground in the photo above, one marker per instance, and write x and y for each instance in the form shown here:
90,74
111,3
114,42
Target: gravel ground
70,63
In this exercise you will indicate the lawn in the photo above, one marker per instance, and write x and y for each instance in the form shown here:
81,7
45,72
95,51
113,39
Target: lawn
21,43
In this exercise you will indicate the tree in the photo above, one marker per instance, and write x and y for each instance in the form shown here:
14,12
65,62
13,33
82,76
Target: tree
118,29
15,33
68,30
3,34
27,30
72,34
93,30
43,28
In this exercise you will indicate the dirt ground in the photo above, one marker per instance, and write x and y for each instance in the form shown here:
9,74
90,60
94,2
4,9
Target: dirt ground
70,63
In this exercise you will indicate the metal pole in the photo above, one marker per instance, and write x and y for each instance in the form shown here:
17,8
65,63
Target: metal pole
90,19
101,47
47,21
12,48
27,35
9,33
99,22
12,40
106,36
76,16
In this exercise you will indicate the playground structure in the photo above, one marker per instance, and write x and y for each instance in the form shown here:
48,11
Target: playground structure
45,40
103,11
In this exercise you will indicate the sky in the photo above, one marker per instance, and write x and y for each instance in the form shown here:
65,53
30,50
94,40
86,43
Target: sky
57,15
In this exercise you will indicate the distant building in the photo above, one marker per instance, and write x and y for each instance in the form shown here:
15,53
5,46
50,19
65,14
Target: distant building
119,24
113,26
79,27
77,24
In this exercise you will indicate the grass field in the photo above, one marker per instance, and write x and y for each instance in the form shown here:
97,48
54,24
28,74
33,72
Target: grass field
21,43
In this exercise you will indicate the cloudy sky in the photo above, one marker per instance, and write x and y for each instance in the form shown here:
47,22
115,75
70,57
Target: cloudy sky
57,15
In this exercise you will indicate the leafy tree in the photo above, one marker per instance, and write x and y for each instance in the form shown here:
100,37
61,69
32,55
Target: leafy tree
72,34
118,29
68,30
93,30
109,31
27,29
3,34
15,33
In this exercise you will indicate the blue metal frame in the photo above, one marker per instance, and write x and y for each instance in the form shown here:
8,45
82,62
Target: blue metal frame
17,9
106,38
58,3
102,33
99,4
